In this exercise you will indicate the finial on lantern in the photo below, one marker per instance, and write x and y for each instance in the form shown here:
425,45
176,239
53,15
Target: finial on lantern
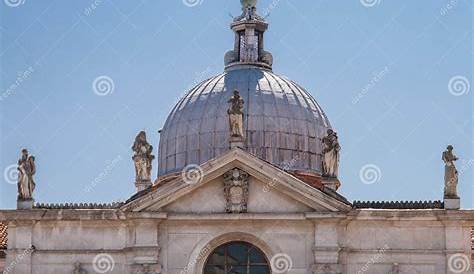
248,4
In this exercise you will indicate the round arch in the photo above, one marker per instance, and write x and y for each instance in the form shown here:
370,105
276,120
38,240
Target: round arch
242,257
204,250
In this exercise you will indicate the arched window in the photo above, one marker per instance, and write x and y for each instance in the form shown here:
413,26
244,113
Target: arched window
237,258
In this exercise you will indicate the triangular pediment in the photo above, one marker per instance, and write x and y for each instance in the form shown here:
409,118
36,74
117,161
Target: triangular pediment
271,189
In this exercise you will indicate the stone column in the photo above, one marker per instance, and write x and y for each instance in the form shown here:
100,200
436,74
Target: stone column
144,250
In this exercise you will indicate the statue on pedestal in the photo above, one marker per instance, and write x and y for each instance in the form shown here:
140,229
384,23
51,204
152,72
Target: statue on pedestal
330,152
248,3
236,115
249,10
450,173
142,157
26,171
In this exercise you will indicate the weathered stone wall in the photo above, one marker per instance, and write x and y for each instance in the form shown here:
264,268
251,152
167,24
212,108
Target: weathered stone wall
186,244
370,242
376,246
263,198
178,237
54,246
2,264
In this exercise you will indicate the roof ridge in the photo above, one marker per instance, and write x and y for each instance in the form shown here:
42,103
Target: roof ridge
437,204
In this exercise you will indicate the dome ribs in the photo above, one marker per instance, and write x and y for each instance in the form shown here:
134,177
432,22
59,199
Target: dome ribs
283,123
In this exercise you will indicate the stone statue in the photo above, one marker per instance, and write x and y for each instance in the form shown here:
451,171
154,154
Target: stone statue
248,3
236,115
450,173
26,171
142,157
230,57
330,152
249,11
78,269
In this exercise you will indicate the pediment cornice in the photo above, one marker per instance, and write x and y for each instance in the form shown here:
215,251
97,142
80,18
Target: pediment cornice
276,178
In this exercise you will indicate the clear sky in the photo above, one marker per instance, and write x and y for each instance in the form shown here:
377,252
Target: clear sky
393,77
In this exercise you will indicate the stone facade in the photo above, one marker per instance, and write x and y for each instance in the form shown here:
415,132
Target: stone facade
273,189
175,227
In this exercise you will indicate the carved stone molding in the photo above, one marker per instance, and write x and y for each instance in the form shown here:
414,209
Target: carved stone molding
146,269
327,269
236,190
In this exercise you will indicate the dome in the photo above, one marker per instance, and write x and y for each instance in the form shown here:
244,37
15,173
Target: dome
283,124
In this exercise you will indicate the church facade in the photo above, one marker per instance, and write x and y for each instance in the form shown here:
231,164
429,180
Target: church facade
247,183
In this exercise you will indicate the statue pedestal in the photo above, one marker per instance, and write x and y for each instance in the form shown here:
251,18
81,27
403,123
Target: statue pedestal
452,203
331,183
236,142
25,203
142,184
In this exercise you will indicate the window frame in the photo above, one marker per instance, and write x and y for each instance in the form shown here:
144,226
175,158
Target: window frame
227,266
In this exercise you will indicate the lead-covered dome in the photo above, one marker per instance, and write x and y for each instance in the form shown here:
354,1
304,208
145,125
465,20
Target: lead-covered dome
282,122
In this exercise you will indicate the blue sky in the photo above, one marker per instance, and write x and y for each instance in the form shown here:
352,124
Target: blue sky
382,74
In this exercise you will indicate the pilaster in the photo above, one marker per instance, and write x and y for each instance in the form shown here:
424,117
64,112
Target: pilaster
326,248
143,249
